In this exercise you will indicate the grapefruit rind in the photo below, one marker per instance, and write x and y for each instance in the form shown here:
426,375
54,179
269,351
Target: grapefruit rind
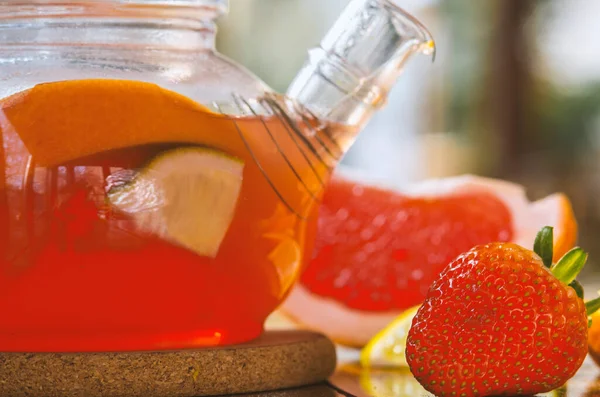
349,327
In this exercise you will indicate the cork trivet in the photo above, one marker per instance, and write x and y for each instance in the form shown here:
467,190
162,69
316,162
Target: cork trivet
277,360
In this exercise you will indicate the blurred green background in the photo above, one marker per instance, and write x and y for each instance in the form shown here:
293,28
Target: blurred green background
514,92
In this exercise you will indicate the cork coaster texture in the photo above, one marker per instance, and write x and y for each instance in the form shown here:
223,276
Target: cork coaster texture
276,360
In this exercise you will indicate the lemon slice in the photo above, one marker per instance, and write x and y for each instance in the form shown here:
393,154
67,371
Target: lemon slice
187,196
387,348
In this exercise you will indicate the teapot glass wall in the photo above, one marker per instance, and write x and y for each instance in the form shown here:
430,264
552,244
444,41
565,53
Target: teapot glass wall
154,194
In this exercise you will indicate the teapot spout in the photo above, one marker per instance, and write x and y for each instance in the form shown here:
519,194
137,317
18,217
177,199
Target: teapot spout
348,77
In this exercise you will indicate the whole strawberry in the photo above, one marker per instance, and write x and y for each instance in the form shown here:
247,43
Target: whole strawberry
502,320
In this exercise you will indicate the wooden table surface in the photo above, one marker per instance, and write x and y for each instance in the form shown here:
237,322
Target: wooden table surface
350,380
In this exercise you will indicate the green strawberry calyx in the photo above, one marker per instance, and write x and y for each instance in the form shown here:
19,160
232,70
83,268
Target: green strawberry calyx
567,268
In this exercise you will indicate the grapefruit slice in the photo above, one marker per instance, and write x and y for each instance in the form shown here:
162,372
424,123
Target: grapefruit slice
98,115
378,250
187,196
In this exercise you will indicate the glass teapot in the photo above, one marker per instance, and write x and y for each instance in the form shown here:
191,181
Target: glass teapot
154,194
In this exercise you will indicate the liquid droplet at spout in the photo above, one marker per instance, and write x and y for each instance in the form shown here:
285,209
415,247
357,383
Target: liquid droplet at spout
429,48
